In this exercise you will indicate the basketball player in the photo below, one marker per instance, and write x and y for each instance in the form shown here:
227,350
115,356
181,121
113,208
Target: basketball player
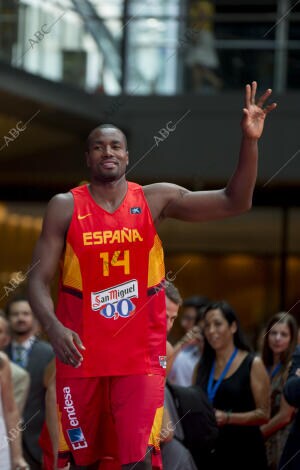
109,330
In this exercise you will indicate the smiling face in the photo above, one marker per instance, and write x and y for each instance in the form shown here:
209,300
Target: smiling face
217,330
279,338
107,156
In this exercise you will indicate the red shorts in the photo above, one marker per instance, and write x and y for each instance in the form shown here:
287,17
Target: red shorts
110,419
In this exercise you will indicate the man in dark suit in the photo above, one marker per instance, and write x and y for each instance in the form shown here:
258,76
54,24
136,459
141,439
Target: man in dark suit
290,459
34,355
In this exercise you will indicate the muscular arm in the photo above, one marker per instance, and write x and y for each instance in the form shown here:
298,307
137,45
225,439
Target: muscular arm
46,257
169,200
260,386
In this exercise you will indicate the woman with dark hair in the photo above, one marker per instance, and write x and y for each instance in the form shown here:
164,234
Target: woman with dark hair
278,346
237,384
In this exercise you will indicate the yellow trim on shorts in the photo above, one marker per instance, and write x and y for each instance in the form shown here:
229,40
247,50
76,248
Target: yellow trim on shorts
154,438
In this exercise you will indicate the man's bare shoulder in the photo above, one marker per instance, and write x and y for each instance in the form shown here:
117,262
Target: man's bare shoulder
64,200
59,212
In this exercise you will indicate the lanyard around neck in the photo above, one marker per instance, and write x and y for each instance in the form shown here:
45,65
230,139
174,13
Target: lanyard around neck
274,371
212,389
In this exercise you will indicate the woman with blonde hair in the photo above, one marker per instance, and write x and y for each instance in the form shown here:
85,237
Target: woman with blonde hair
279,344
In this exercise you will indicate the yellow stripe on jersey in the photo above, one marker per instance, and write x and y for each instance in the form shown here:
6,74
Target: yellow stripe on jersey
156,266
71,269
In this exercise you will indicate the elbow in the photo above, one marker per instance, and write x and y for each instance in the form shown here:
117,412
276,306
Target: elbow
286,419
248,206
239,209
237,205
245,206
263,420
264,417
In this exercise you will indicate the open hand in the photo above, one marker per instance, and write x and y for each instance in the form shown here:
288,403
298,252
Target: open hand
254,114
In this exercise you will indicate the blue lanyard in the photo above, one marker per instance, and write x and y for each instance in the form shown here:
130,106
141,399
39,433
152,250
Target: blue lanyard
275,371
212,389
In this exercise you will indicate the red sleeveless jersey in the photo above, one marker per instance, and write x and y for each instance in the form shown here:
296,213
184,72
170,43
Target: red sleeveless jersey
112,287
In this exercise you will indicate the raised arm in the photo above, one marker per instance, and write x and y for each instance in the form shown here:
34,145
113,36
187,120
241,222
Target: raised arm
45,261
169,200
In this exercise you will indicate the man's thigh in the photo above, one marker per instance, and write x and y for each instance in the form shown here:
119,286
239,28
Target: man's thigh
86,428
137,409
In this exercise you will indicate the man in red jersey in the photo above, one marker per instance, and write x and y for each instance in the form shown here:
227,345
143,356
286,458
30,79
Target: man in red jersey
109,330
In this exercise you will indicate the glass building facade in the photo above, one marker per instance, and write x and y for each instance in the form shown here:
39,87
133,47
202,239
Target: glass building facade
154,47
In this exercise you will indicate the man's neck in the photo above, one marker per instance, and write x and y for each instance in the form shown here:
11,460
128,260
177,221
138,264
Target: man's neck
20,339
108,194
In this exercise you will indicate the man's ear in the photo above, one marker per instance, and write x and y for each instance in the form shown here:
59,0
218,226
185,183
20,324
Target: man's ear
127,157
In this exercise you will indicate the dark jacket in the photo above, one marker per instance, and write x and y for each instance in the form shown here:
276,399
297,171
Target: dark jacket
290,458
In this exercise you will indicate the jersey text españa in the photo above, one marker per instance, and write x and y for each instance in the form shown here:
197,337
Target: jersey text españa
112,287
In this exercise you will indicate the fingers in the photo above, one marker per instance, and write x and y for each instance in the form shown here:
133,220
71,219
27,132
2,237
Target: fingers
263,98
70,354
253,92
250,94
270,108
78,341
68,357
247,96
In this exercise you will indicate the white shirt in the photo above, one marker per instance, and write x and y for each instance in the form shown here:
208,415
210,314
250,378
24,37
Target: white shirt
26,348
184,365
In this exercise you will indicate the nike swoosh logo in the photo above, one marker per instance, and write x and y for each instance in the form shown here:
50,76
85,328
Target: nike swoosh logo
80,217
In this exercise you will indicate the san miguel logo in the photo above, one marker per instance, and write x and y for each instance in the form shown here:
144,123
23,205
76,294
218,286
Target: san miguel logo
115,302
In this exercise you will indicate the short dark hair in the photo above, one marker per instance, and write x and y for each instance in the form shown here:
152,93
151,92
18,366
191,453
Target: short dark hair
16,298
199,303
173,293
104,126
